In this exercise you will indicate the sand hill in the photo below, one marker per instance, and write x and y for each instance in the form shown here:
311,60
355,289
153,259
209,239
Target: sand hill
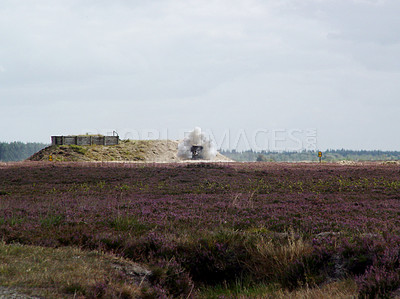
164,151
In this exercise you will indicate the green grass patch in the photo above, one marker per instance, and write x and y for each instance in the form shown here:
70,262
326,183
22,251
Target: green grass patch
238,289
52,220
130,223
78,149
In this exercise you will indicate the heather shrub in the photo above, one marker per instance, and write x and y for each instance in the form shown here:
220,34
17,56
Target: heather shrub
110,243
378,283
373,259
105,290
216,258
383,276
344,255
150,248
219,224
357,254
172,278
153,292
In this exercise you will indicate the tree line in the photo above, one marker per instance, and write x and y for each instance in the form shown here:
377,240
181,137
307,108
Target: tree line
18,151
328,156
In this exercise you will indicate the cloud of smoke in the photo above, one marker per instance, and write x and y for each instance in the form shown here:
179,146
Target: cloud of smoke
197,138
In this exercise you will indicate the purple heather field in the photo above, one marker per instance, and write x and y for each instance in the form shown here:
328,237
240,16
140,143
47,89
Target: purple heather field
207,217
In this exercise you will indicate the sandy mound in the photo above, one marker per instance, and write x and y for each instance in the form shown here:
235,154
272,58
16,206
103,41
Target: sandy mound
344,162
162,151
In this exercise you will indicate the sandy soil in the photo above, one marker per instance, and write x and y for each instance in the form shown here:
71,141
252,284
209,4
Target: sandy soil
153,151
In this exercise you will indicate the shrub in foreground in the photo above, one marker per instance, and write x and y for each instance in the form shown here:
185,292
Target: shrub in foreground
383,277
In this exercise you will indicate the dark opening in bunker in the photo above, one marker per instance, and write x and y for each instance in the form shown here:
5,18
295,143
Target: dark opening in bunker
196,152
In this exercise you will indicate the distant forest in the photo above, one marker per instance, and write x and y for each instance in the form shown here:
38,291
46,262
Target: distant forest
328,156
18,151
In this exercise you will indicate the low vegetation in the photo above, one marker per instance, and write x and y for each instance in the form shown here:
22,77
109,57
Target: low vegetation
66,271
206,230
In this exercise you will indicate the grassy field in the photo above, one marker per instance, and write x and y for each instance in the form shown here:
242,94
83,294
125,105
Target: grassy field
228,230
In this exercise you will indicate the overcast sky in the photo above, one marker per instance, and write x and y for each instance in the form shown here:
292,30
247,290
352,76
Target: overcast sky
301,73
